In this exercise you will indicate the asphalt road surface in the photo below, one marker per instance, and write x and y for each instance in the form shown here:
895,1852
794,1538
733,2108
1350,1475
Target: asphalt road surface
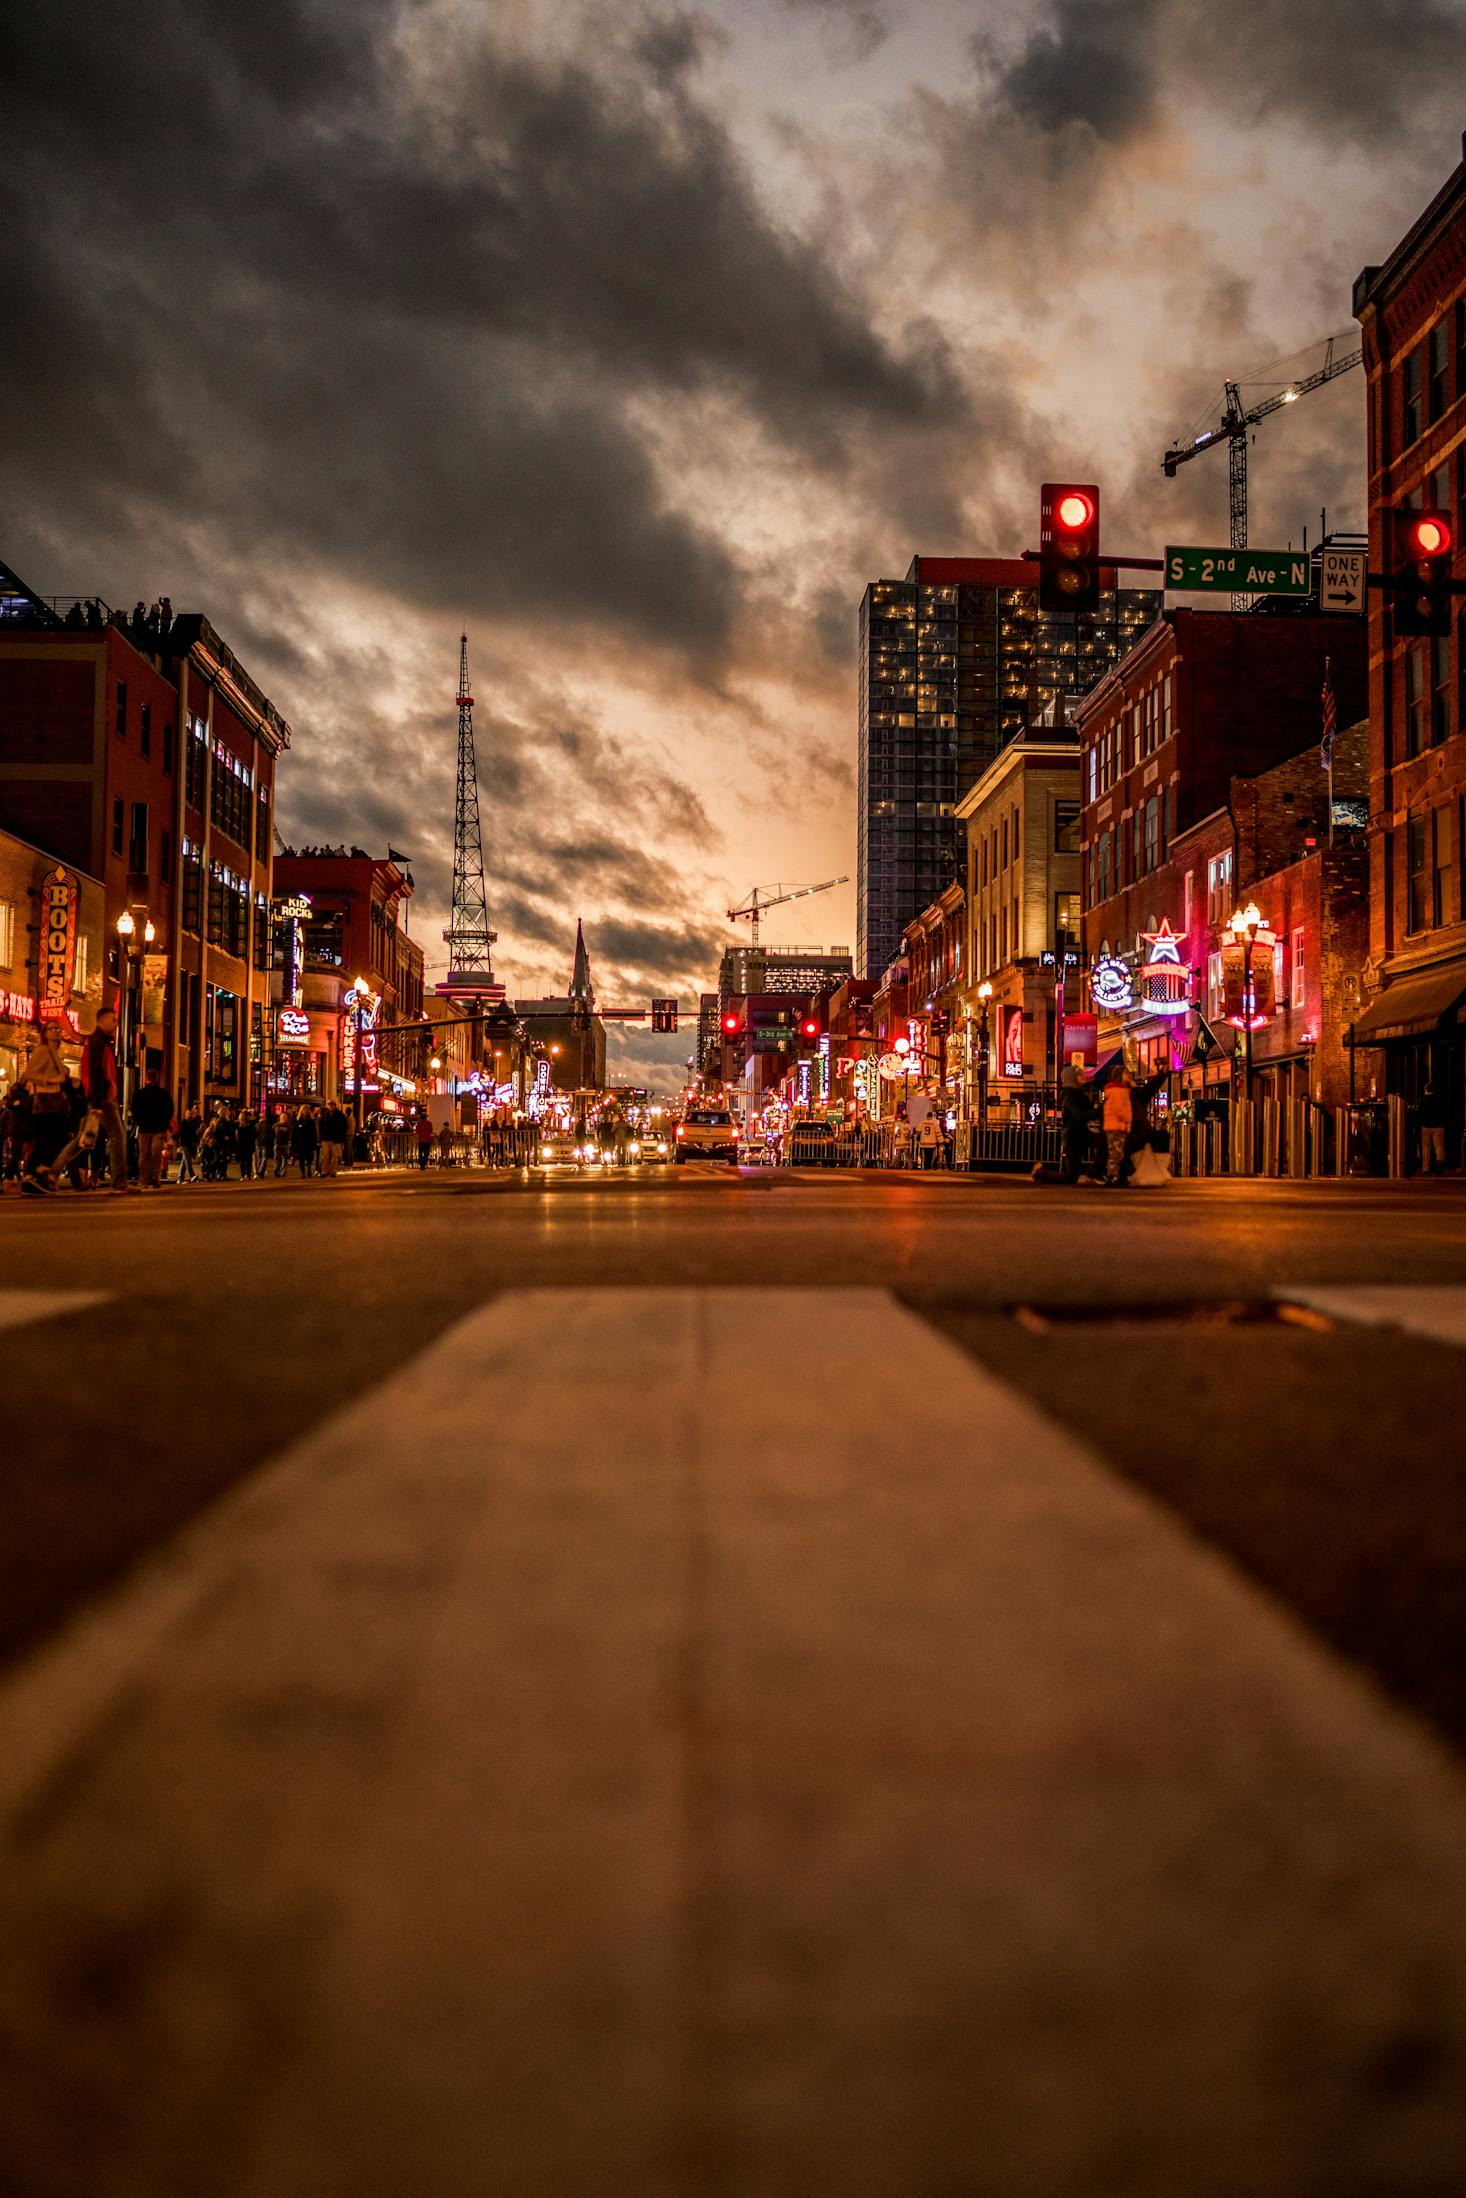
733,1682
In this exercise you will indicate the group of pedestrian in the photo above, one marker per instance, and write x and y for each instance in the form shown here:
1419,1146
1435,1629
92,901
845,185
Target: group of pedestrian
1118,1111
58,1126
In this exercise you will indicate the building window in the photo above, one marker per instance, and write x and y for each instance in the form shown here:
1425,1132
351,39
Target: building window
1166,708
82,969
1440,689
1066,827
168,748
1442,896
1417,875
1298,988
1094,752
231,796
122,709
193,887
1219,888
1100,870
1152,836
1439,360
196,763
145,728
7,934
1416,698
1213,984
137,840
117,814
262,824
1188,902
1066,922
1412,416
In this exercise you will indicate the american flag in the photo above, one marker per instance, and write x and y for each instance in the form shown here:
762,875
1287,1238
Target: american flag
1330,722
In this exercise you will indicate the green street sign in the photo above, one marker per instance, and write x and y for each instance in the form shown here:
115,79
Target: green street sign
1239,572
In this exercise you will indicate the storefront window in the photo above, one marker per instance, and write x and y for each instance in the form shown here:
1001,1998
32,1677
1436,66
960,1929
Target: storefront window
1417,915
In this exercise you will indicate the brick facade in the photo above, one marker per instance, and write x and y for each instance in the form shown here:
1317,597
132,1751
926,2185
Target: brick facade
1412,314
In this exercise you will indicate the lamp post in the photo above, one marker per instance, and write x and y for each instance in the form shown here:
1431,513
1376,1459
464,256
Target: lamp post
1244,925
984,995
132,953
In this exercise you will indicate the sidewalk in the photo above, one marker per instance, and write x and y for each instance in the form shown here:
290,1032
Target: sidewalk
596,1763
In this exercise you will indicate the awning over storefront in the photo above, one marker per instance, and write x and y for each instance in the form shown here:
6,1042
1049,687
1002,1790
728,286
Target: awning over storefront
1412,1006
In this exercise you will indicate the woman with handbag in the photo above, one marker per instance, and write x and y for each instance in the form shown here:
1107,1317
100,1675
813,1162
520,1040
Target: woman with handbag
45,1078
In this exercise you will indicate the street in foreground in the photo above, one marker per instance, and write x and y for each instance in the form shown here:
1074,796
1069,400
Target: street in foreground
681,1684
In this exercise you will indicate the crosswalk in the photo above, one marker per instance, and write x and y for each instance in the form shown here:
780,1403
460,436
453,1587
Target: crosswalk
690,1738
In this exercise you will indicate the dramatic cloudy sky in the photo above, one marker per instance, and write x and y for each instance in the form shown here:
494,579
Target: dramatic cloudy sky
638,337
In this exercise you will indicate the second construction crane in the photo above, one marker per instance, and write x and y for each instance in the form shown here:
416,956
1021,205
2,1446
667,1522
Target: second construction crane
1234,425
755,906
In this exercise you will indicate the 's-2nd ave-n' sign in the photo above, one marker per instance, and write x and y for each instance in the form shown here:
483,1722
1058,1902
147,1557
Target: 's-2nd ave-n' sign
1239,572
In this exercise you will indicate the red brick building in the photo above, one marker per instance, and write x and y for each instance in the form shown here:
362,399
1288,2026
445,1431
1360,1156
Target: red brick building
1204,697
144,754
1412,312
350,908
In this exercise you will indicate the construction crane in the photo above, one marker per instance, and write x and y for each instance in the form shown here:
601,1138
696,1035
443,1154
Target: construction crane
753,907
1233,426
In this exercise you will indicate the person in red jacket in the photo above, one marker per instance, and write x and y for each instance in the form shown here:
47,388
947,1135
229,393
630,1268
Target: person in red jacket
99,1075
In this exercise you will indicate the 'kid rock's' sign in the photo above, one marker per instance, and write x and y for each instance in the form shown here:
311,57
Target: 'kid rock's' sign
60,896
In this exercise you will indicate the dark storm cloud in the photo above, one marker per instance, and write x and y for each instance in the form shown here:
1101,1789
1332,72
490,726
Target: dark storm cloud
1093,64
659,952
1121,68
392,311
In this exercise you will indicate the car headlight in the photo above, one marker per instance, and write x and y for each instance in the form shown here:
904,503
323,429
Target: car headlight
633,1148
546,1152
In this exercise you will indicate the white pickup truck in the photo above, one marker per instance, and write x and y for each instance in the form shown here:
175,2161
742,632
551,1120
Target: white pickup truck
706,1133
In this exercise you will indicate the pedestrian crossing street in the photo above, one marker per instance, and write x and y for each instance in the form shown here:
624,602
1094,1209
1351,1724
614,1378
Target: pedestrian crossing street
836,1792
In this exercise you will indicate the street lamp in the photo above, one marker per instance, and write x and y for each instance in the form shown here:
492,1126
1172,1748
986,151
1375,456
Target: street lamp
131,962
984,994
1244,925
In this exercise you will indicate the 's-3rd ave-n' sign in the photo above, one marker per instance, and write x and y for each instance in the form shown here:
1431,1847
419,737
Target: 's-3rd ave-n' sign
1239,572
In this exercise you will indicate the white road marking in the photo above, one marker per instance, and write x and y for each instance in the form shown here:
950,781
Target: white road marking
18,1308
666,1738
1422,1309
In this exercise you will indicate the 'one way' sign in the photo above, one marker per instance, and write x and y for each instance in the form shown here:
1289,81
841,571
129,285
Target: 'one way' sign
1341,580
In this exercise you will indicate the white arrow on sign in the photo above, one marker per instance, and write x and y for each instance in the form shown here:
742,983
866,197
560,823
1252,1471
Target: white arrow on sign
1341,581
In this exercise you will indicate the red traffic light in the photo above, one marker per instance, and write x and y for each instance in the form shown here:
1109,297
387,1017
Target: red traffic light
1074,509
810,1026
732,1023
1429,535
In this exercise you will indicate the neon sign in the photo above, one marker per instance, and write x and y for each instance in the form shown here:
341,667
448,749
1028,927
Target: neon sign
1111,985
1165,980
59,895
293,1027
17,1007
1012,1050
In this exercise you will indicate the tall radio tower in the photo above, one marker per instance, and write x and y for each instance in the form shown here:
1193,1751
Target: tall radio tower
470,964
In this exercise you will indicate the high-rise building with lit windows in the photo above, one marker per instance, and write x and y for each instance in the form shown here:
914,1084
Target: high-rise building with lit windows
954,660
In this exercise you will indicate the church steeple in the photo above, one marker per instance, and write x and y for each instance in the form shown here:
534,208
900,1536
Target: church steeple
581,987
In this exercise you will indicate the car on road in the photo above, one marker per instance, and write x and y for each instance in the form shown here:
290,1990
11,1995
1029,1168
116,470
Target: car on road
706,1133
653,1149
561,1149
810,1145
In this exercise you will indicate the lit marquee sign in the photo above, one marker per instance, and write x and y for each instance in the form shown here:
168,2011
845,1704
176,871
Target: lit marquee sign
1165,980
294,1028
1112,985
60,895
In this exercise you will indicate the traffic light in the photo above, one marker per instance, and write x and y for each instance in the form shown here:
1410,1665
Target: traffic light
1068,546
1422,589
664,1015
809,1024
732,1024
